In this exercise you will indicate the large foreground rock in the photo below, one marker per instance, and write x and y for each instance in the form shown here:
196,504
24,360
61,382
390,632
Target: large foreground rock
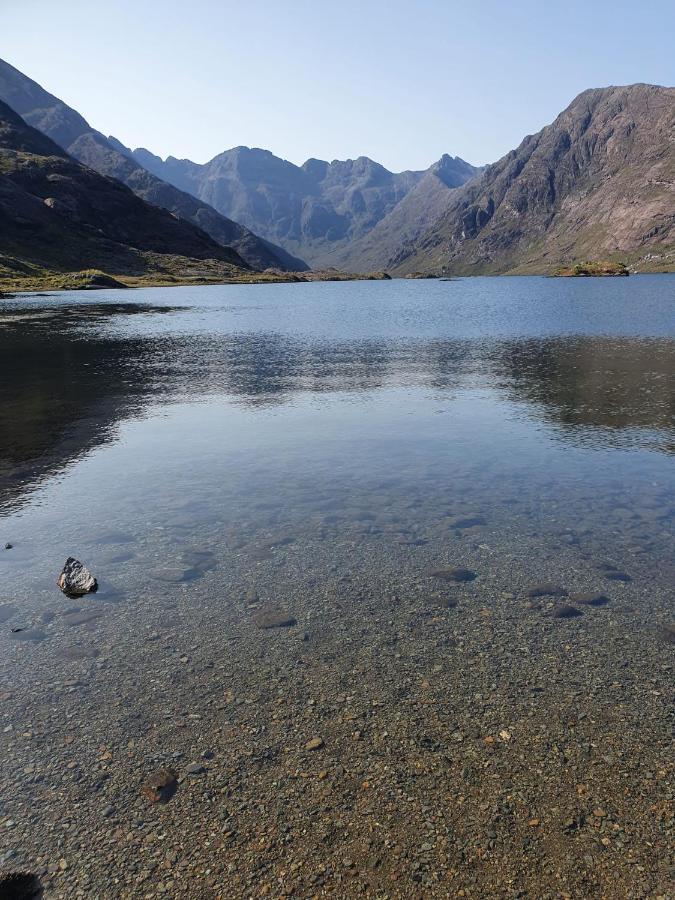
75,579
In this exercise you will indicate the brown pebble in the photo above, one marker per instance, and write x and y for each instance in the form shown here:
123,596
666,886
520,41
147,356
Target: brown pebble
160,786
316,743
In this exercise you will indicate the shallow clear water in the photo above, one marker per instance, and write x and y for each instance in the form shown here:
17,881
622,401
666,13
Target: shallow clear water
323,449
525,401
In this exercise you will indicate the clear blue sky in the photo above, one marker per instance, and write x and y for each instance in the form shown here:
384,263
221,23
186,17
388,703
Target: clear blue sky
401,82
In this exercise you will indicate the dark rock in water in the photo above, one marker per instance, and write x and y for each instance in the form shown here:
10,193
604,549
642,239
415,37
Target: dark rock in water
615,575
8,546
565,611
274,618
546,590
455,573
590,599
199,560
7,610
82,617
28,634
175,574
467,521
160,786
19,885
75,579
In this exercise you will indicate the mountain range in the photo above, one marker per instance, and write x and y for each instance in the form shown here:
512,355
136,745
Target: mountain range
319,210
598,183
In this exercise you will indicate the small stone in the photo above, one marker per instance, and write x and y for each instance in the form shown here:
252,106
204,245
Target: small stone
455,573
207,754
617,576
462,522
8,546
160,786
195,769
107,811
565,611
28,634
533,823
274,618
75,579
315,743
546,589
590,599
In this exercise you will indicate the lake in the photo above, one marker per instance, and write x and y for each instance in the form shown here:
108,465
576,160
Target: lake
455,499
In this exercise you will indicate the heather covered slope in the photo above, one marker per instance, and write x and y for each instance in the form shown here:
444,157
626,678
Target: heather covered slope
56,215
598,183
107,156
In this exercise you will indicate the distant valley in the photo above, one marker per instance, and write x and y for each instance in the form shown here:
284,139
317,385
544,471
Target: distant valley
321,211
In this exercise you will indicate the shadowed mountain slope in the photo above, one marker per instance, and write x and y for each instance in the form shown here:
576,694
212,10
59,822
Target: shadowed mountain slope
57,214
109,157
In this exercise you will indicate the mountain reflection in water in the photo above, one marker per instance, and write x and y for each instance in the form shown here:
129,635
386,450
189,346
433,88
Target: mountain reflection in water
71,373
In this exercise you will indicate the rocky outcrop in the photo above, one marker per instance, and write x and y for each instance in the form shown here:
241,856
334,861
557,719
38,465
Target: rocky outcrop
598,183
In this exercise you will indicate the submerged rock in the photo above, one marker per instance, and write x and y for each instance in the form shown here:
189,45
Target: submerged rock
546,590
274,618
462,522
75,579
455,573
590,599
565,611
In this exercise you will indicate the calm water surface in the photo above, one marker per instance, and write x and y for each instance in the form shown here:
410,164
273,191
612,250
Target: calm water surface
236,410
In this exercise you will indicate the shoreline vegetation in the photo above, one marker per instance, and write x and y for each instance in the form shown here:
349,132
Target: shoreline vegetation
593,269
96,279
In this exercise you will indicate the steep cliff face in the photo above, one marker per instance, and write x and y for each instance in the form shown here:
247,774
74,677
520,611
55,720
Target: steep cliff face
598,182
107,156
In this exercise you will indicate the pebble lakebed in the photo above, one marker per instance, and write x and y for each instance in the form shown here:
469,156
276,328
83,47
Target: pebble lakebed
470,743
